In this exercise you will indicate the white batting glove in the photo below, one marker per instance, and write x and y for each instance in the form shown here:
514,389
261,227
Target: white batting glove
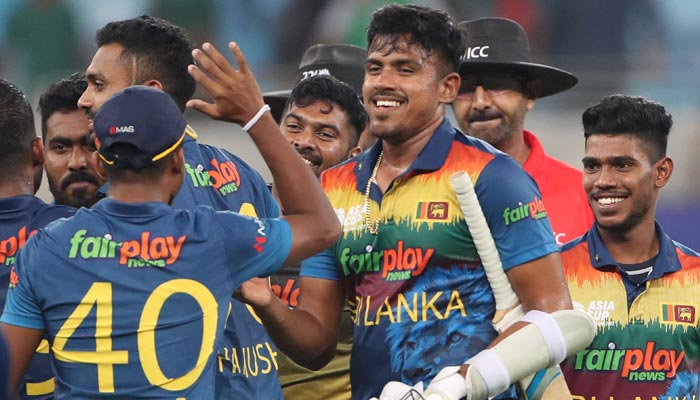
395,390
448,384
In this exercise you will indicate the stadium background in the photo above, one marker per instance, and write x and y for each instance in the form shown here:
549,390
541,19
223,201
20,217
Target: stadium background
640,47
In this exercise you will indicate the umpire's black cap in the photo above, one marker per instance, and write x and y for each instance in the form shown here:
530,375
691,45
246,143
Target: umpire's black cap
342,61
500,44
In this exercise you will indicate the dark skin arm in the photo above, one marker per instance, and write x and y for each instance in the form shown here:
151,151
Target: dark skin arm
308,334
22,343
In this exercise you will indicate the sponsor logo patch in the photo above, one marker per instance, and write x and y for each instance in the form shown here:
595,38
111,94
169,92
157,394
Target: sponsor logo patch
113,130
532,210
10,245
649,363
145,251
394,264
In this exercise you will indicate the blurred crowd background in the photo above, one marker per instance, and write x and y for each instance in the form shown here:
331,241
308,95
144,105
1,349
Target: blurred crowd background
640,47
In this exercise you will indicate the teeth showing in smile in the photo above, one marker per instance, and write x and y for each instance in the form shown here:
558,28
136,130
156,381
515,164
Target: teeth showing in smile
610,200
306,161
387,103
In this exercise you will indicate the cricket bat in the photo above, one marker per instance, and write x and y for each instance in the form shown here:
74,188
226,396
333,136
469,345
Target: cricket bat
546,384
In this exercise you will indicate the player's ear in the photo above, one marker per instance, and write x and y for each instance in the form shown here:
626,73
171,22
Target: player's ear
449,87
37,153
154,83
354,152
664,169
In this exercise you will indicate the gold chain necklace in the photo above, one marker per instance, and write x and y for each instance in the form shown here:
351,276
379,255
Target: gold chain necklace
372,226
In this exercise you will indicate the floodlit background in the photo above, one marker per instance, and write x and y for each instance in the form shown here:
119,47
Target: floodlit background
641,47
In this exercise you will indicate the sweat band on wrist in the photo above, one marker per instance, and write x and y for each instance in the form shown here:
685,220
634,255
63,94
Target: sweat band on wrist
256,117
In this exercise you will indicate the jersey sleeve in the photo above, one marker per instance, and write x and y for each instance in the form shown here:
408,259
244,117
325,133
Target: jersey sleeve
322,266
272,209
21,306
514,210
255,246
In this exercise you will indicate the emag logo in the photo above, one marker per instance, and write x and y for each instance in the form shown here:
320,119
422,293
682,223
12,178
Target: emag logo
634,364
533,210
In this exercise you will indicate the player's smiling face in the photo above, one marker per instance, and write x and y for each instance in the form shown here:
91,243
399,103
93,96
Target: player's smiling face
621,181
107,74
402,87
320,134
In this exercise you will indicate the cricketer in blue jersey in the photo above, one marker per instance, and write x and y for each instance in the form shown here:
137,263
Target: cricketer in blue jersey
157,55
20,218
146,286
21,213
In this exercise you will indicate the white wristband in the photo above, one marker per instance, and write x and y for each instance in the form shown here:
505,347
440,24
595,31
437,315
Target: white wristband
256,117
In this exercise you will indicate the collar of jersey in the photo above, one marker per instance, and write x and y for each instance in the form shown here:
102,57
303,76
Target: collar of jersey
131,210
190,133
536,162
18,204
431,158
666,262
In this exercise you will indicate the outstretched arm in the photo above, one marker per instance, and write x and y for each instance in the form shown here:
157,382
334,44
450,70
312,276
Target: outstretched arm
237,98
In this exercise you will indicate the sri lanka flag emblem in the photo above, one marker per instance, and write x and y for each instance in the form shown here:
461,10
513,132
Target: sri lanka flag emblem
678,313
432,210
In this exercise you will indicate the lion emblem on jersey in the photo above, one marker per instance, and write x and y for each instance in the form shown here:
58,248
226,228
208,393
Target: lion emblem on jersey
686,385
420,350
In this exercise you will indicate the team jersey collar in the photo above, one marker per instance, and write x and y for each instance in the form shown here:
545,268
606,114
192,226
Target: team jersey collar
131,210
190,134
431,158
666,261
536,161
18,204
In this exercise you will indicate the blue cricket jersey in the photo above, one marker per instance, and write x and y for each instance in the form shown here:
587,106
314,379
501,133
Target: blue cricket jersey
145,291
20,217
246,364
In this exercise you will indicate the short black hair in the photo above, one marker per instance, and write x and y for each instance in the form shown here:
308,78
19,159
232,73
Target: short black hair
329,89
621,114
61,96
433,29
123,173
162,52
16,128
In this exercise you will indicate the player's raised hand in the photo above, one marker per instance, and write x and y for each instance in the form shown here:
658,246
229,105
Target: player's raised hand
236,94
